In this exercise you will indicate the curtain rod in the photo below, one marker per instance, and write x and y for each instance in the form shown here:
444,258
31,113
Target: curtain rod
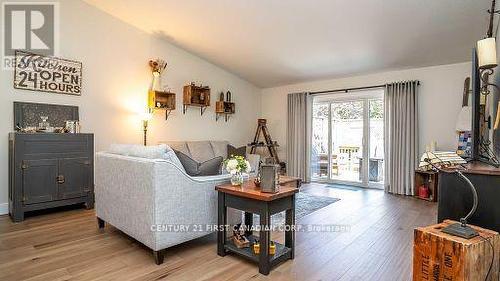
350,89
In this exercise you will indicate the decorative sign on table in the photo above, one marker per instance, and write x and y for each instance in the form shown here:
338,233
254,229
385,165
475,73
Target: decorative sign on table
47,74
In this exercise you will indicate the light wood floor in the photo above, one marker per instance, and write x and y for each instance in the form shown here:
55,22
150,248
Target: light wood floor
68,246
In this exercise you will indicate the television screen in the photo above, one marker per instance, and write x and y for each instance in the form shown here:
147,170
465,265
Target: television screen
476,107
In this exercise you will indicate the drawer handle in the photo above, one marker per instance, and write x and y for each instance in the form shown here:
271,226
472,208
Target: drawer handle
60,179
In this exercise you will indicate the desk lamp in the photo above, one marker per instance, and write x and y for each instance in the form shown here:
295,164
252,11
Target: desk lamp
436,159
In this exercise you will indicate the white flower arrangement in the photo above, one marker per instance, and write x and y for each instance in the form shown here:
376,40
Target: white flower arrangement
237,164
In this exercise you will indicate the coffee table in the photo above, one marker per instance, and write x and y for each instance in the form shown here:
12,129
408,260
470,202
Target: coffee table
251,200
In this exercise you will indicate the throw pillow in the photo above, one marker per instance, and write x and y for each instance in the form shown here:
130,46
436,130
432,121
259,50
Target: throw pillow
233,151
194,168
172,157
211,167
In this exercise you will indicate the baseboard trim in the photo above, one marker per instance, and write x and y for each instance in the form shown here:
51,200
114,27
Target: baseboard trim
4,208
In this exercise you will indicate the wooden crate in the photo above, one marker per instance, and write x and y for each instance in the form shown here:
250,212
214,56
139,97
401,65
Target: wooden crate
440,256
224,107
196,95
161,100
429,178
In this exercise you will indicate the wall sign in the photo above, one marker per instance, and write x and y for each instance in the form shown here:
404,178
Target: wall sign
47,74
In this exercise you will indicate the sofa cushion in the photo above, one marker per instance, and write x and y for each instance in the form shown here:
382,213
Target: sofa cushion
120,149
220,148
200,151
135,150
194,168
233,151
179,146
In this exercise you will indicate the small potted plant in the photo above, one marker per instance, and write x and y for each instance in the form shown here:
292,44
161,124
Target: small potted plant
236,166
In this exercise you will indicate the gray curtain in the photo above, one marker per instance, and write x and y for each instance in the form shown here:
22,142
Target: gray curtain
401,136
298,144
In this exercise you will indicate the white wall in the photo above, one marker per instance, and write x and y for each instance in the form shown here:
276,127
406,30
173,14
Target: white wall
440,101
115,82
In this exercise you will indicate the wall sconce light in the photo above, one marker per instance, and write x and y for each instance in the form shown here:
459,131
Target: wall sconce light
487,61
487,57
464,120
487,53
145,119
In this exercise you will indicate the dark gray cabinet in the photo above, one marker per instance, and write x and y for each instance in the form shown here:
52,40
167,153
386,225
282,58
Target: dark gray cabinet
49,170
38,184
455,198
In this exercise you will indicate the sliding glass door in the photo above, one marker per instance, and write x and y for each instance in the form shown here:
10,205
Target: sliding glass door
348,139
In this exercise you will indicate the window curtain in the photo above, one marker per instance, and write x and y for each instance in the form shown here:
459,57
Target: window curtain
298,132
401,136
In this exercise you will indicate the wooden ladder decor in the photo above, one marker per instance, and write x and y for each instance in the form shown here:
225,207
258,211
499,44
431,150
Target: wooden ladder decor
269,143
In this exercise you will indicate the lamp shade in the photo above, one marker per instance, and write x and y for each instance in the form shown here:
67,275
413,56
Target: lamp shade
439,158
487,53
464,120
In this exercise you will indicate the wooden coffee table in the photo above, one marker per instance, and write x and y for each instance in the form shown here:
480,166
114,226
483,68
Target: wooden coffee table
251,200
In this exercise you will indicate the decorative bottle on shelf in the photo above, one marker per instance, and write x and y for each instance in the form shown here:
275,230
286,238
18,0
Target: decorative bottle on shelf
156,84
44,124
157,67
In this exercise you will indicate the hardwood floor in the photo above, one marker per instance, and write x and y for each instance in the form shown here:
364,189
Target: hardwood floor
69,246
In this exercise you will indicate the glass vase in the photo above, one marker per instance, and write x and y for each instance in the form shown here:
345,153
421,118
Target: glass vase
237,179
156,83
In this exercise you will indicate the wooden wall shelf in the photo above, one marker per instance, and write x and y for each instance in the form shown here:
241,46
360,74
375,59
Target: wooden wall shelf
158,100
224,108
198,96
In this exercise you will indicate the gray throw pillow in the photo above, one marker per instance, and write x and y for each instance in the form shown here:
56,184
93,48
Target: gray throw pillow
233,151
196,169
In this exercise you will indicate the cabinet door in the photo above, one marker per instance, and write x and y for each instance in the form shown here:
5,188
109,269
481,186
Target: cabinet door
74,175
39,180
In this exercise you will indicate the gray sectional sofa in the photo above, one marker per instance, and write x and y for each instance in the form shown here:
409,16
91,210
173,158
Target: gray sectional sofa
150,198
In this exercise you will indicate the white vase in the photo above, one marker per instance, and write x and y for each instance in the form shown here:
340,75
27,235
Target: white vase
156,84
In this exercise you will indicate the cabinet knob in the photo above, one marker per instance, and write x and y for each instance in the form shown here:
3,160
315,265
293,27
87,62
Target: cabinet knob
60,179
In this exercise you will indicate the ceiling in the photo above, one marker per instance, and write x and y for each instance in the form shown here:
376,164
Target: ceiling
274,42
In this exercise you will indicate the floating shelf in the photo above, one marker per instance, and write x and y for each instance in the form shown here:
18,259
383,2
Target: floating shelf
282,252
158,100
198,96
224,108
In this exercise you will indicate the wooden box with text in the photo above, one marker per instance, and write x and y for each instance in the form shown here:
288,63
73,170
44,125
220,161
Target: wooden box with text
440,256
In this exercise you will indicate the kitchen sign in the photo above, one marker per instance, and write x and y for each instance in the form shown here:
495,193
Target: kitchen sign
47,74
